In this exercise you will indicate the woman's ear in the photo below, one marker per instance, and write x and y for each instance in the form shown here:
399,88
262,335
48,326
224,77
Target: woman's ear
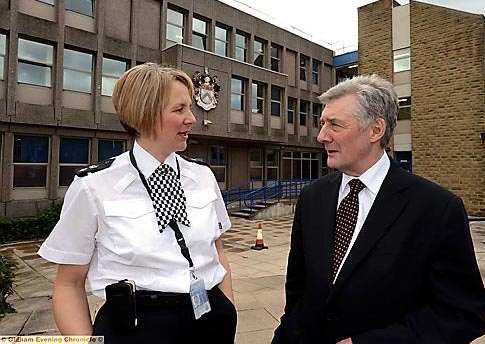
378,129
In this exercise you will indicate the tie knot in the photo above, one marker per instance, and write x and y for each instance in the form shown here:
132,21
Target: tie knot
356,186
165,169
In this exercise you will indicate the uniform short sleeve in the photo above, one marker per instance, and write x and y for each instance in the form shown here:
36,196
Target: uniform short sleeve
72,240
220,206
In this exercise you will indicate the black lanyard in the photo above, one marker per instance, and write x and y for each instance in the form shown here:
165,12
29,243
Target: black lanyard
178,234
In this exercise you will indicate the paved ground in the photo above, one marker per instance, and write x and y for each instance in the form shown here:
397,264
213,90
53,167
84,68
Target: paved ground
258,279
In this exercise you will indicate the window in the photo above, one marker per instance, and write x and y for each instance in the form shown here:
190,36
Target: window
303,67
291,110
80,6
241,47
110,148
404,108
258,98
402,60
175,26
199,33
303,112
73,154
255,164
275,101
237,94
221,41
77,71
35,63
3,48
30,159
272,164
315,71
112,70
258,53
316,112
300,165
218,163
275,57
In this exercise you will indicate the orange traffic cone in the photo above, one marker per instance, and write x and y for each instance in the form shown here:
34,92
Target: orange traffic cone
259,239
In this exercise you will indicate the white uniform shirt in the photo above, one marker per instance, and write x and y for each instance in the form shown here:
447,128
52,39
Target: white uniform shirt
108,221
372,179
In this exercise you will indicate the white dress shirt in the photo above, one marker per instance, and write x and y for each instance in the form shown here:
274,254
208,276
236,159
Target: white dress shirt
108,221
372,179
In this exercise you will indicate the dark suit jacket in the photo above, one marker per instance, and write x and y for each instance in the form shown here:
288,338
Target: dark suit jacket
411,276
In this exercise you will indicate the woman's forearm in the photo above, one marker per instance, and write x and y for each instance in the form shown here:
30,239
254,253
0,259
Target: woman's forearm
226,284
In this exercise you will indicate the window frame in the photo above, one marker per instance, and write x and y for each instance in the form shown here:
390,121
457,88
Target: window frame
199,34
399,56
304,67
176,25
256,165
276,102
215,164
316,112
291,110
106,76
259,54
316,71
241,48
123,148
275,59
3,53
75,10
305,113
70,165
36,163
33,62
242,95
258,97
77,70
225,42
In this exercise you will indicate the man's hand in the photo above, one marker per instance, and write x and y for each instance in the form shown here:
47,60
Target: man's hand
346,341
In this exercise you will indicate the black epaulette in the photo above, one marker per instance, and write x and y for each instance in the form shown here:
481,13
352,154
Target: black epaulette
194,160
84,171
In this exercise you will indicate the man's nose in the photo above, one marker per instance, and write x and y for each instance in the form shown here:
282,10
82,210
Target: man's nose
323,136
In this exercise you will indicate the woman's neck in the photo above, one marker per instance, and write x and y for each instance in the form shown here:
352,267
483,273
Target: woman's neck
153,147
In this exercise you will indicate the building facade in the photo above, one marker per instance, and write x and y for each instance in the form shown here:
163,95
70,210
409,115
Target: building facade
60,59
435,56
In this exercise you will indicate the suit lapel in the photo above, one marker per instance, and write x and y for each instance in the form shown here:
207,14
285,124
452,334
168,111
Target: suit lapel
325,217
386,208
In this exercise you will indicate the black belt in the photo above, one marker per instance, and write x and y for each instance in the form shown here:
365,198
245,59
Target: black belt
157,299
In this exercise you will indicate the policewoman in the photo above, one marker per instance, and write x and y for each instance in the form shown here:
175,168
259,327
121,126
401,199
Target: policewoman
144,229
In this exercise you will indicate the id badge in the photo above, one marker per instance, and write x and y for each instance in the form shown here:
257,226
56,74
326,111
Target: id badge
198,296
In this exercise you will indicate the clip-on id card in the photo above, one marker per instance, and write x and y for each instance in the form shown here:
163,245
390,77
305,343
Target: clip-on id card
198,296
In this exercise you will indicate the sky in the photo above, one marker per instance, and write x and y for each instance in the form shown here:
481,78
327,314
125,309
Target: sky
332,23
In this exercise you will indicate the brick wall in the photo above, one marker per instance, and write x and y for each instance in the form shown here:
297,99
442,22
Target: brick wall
448,95
375,38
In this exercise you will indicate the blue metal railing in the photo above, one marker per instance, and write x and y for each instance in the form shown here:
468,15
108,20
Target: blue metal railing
248,195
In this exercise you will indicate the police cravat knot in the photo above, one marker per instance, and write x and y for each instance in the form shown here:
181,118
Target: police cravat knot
346,219
168,197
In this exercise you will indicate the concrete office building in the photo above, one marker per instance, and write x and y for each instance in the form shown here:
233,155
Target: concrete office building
435,56
59,60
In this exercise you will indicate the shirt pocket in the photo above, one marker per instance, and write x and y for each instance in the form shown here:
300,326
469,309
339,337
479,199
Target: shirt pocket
132,226
202,213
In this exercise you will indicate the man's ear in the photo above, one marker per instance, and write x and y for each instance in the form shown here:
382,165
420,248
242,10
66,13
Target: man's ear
378,129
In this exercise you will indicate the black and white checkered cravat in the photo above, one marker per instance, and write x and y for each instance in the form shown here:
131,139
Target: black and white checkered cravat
346,219
167,196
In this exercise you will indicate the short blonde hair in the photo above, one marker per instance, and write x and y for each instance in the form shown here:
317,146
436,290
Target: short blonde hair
141,93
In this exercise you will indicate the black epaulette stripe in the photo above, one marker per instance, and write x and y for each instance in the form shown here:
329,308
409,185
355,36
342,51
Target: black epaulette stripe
84,171
194,161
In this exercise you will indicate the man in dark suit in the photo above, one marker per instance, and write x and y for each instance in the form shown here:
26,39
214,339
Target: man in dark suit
391,261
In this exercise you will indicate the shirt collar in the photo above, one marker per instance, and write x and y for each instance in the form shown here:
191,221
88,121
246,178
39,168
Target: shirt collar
147,163
373,177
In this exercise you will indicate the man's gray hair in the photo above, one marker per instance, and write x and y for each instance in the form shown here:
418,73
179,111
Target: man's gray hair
376,98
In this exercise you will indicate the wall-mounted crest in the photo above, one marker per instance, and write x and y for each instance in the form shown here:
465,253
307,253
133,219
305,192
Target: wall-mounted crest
206,90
